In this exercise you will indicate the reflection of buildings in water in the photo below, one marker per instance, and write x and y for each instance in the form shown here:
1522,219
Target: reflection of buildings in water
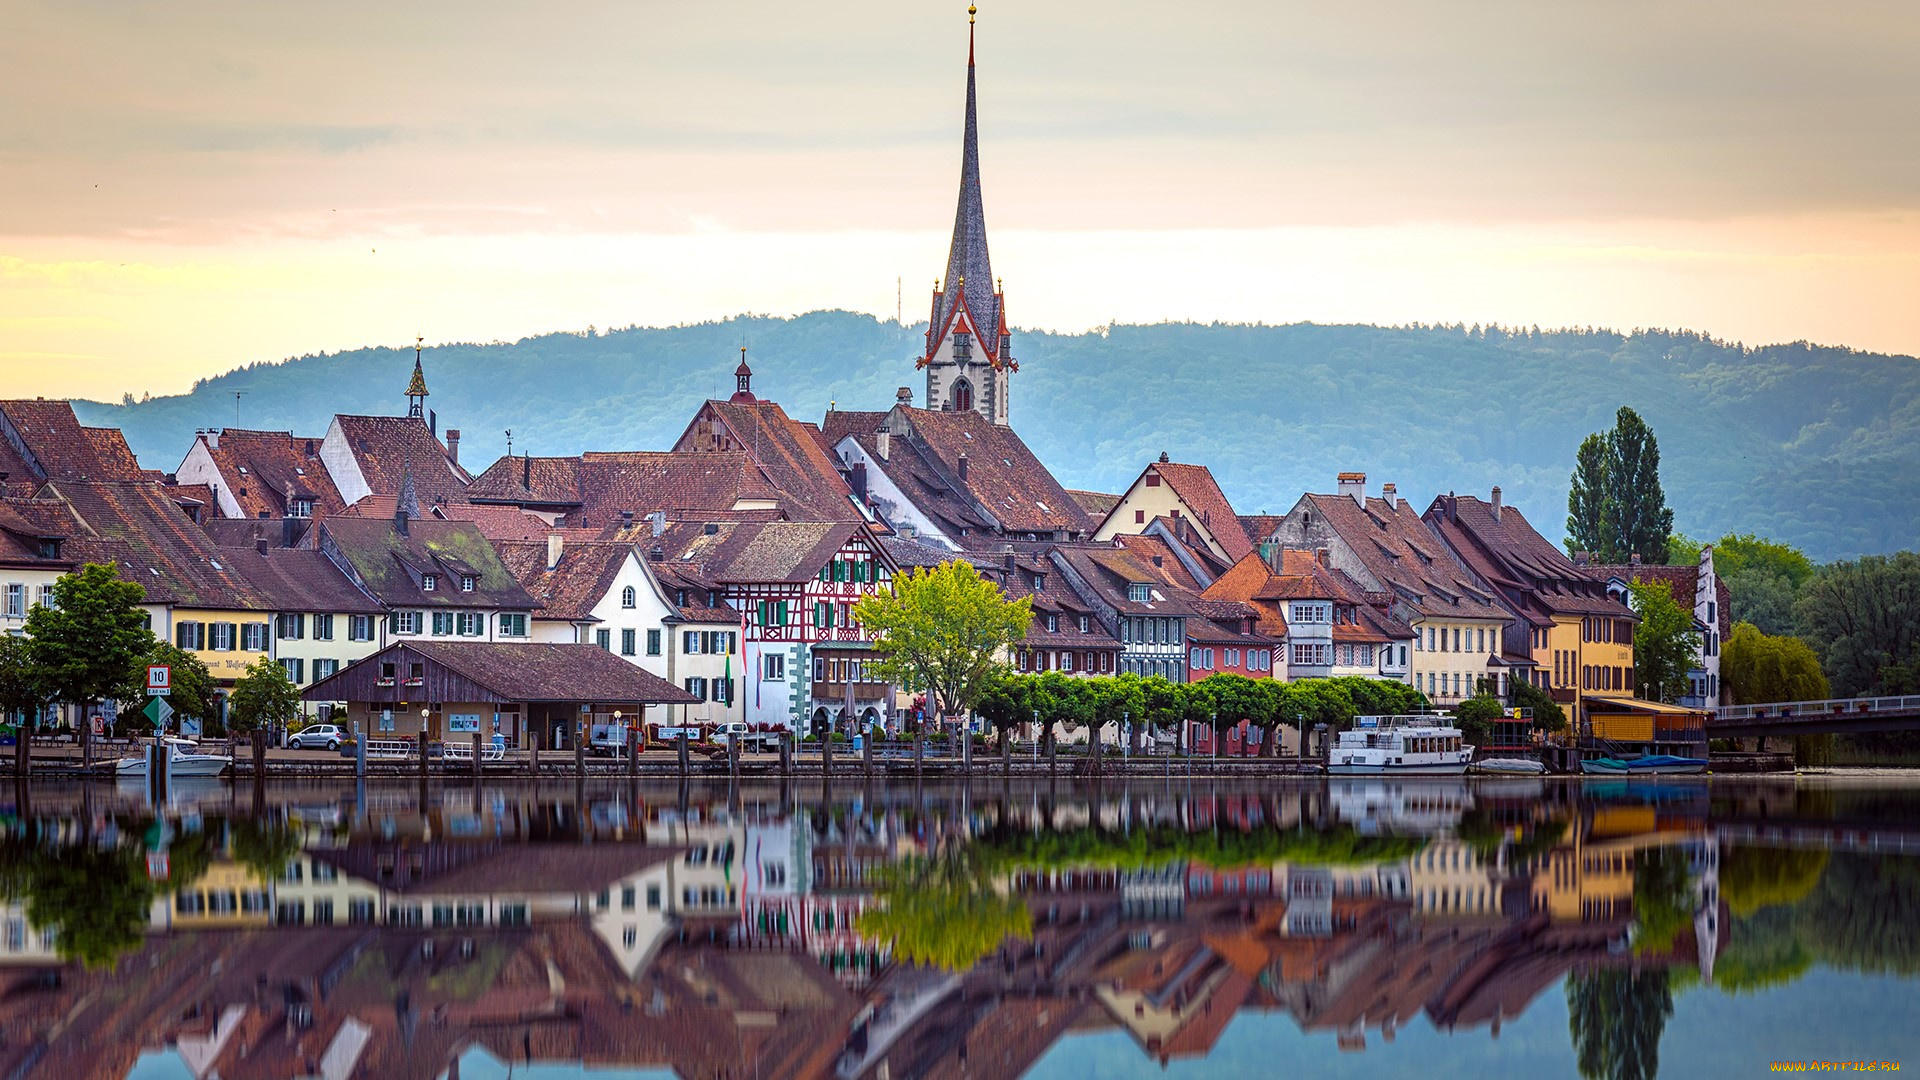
22,943
1412,806
1450,880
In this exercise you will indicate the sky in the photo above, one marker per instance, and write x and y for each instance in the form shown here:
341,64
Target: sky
187,187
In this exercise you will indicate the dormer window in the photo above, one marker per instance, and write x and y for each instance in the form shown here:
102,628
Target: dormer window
466,583
1039,582
300,508
680,598
428,582
1053,623
1137,592
1084,624
49,548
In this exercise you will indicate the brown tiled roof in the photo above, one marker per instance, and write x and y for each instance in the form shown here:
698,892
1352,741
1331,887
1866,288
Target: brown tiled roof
1004,478
594,489
1403,554
387,447
58,448
488,867
1097,504
532,672
1108,570
292,579
1507,553
498,523
165,552
787,451
1259,527
259,466
26,522
1195,486
388,565
572,589
785,550
926,486
196,495
839,424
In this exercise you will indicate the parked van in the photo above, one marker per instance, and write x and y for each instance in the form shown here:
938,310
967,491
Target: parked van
609,740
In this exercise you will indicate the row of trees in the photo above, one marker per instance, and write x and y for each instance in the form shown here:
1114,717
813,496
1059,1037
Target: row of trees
1151,702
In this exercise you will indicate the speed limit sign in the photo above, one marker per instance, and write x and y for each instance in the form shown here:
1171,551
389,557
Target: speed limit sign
159,679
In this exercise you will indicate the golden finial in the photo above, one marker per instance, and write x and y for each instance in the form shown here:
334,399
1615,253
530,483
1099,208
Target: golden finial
971,11
999,284
963,281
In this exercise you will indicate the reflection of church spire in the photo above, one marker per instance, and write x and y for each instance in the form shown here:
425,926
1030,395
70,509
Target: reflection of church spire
1706,913
417,386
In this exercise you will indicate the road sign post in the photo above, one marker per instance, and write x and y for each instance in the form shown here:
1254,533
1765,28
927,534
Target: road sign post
159,680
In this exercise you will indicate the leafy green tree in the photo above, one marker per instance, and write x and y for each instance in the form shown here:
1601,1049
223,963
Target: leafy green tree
88,642
941,628
1165,705
1763,579
19,681
263,698
1752,878
1005,701
1476,716
1547,714
1237,698
1616,508
1064,700
1683,550
1757,668
1664,642
1863,620
97,900
1616,1019
1116,698
1587,500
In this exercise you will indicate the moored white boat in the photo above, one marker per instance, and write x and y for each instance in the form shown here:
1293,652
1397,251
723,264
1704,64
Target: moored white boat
185,760
1399,746
1508,766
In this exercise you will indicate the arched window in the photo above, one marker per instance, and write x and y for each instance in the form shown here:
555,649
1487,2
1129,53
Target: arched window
962,396
626,597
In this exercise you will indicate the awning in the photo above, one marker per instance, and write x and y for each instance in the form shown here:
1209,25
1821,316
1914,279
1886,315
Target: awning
1614,704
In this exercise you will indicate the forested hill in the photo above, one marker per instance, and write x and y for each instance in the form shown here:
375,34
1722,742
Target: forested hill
1816,446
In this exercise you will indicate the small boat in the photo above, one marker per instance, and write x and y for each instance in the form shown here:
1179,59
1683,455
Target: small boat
1508,766
184,760
1399,746
1649,765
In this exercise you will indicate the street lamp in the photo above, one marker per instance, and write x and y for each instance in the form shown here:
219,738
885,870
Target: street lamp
1036,736
1126,736
622,725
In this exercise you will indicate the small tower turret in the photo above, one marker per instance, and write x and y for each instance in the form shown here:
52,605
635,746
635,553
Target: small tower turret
417,386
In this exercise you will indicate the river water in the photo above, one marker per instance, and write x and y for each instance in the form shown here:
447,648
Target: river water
1367,928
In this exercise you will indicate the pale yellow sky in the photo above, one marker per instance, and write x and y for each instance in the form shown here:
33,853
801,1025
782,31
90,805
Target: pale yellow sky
189,187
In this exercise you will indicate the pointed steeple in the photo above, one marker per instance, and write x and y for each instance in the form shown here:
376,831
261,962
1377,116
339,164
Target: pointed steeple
969,279
417,386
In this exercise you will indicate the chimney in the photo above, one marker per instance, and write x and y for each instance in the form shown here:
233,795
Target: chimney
903,396
883,444
453,446
555,545
433,422
1163,457
626,519
963,468
526,472
1582,558
1633,559
1324,556
1496,502
1355,485
1012,559
1391,493
286,532
658,519
260,544
657,553
858,481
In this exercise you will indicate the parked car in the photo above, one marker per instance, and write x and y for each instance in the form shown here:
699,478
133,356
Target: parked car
609,740
317,737
750,737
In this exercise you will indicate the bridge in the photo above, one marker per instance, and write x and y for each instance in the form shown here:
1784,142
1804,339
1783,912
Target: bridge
1841,715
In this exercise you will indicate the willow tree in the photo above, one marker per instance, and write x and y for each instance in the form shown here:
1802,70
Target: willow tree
941,630
944,911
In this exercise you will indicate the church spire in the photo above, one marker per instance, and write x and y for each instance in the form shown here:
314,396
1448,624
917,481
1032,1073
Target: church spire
417,386
969,279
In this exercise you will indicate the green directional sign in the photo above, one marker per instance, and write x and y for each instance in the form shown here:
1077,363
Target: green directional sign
159,712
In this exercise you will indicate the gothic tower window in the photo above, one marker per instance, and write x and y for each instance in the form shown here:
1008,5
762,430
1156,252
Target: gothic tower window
962,395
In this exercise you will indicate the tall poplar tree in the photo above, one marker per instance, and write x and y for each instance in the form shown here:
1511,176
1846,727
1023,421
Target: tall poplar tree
1615,506
1638,517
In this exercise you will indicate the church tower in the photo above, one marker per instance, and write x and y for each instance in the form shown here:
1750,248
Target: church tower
969,352
417,386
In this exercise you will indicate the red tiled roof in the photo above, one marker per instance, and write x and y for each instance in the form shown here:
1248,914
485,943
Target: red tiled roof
596,488
526,671
388,447
294,579
166,553
1195,486
1507,553
1684,582
839,424
924,484
260,465
1004,478
1097,504
388,565
1398,549
574,587
58,448
787,451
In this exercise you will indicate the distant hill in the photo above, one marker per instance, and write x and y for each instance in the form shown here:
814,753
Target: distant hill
1816,446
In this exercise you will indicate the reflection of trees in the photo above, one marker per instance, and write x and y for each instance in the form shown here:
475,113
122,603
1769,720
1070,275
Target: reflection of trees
1047,849
1662,898
943,911
1752,878
1861,916
96,900
1764,950
265,847
1616,1019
